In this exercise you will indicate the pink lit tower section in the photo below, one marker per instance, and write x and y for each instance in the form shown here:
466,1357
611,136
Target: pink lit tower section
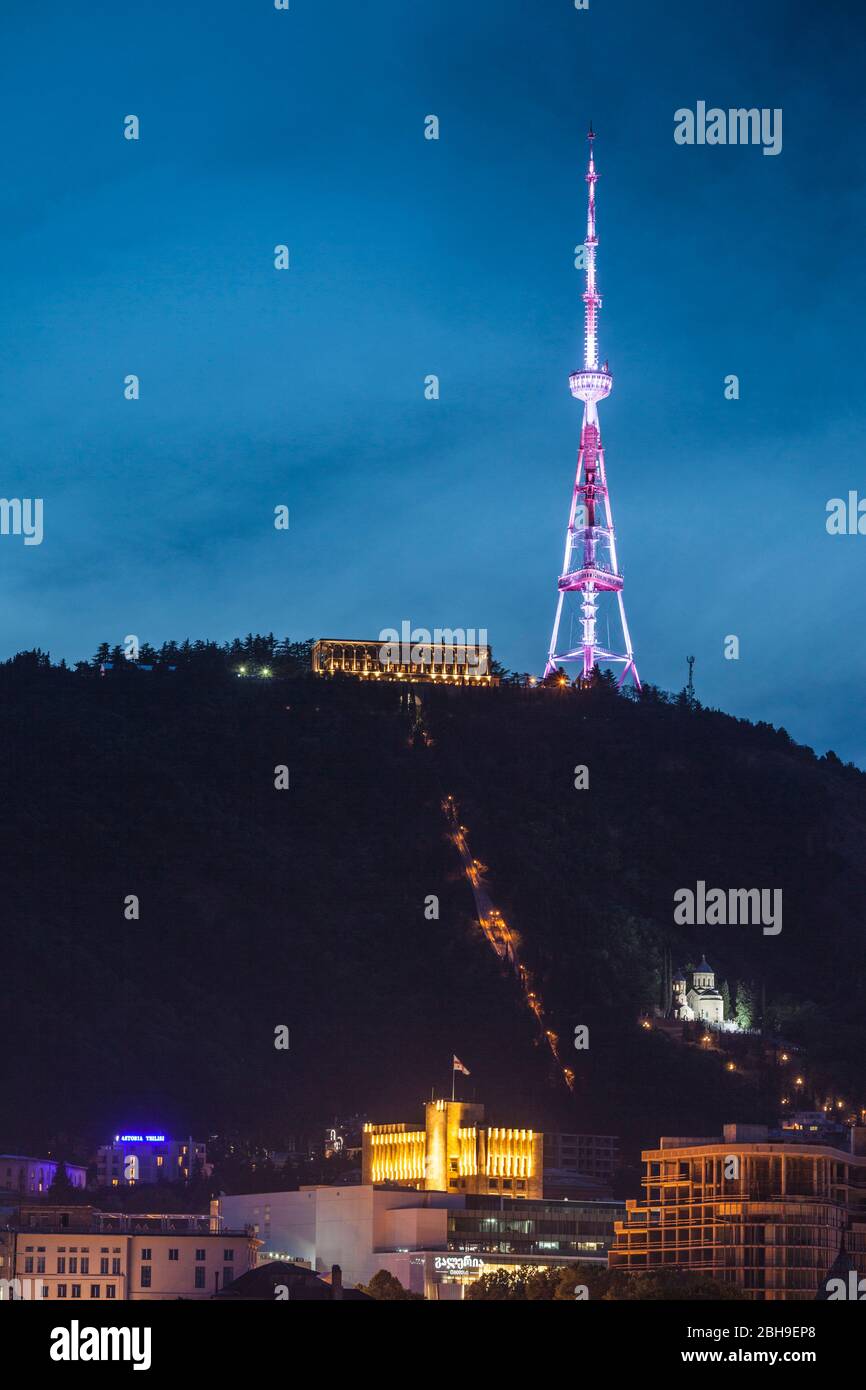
590,573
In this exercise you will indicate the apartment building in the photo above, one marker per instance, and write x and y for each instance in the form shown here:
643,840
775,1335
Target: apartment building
768,1215
123,1256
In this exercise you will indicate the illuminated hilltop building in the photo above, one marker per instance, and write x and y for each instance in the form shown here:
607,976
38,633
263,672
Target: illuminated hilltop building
447,663
454,1152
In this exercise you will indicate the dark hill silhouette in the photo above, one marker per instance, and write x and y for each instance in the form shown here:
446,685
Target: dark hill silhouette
676,794
305,907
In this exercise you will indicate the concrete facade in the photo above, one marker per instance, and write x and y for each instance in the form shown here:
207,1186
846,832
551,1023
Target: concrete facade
436,1243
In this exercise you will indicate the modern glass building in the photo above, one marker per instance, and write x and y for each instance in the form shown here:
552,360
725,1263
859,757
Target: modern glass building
506,1226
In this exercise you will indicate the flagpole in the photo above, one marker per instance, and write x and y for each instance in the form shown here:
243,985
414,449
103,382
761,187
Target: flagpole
453,1077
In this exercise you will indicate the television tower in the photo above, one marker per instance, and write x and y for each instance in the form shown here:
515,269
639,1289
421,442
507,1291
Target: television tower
590,568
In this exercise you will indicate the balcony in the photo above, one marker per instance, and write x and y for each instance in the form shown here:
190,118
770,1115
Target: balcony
604,580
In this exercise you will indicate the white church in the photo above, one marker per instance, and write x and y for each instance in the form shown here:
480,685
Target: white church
701,1000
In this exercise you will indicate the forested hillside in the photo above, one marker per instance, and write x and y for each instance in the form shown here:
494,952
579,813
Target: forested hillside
676,794
258,908
305,907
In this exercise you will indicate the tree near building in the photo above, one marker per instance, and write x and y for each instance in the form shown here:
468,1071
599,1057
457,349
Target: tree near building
386,1288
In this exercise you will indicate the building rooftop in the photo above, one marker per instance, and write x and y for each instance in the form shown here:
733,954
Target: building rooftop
851,1143
28,1158
301,1284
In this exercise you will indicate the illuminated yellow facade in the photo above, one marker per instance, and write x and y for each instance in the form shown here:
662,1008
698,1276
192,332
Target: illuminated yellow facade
451,663
455,1152
396,1154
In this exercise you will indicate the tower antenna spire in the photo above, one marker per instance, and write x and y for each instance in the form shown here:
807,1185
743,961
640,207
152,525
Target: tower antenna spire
590,566
591,296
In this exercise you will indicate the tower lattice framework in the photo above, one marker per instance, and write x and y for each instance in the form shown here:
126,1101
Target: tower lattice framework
590,585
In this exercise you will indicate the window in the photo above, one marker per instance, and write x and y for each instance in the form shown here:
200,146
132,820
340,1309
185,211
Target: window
173,1254
45,1291
228,1256
94,1290
28,1264
61,1290
146,1255
200,1277
103,1265
115,1266
61,1264
85,1264
199,1254
228,1275
76,1290
40,1264
109,1291
73,1264
145,1276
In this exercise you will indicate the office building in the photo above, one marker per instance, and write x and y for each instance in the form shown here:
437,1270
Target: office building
579,1164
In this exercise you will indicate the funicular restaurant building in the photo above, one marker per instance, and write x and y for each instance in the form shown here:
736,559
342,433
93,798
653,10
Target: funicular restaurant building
449,662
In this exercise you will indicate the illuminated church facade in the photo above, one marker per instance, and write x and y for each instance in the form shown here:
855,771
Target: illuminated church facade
698,999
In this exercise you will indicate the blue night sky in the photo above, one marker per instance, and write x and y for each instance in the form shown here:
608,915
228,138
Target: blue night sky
454,257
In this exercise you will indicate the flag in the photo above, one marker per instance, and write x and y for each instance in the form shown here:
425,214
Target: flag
457,1065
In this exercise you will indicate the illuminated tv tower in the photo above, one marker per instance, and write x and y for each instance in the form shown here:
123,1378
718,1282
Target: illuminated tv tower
590,568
